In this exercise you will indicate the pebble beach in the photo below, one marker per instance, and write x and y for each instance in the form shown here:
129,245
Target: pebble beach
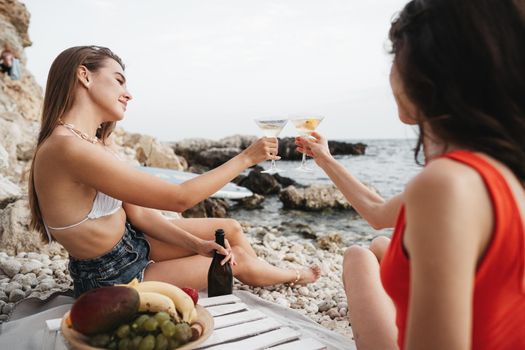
39,275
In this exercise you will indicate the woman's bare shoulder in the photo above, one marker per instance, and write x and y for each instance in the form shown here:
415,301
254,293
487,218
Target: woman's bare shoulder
446,176
59,148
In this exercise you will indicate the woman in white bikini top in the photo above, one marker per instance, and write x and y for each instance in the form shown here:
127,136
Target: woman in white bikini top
85,96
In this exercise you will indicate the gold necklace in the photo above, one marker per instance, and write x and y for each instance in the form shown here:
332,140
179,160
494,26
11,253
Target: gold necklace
81,134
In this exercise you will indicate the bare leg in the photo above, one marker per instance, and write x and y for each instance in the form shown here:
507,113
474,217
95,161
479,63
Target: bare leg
204,229
371,312
192,271
250,269
379,246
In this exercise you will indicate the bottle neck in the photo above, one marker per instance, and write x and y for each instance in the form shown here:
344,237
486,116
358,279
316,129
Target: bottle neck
219,239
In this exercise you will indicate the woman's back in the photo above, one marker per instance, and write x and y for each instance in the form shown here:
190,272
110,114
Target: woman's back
498,303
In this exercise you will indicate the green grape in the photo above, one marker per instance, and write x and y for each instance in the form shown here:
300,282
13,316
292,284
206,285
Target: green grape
173,344
123,331
182,332
161,316
135,342
99,340
147,343
124,344
168,328
161,342
150,325
137,324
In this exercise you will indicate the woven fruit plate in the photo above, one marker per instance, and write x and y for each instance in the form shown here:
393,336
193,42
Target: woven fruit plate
76,340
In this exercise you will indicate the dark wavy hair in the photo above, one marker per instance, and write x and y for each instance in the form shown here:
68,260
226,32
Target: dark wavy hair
462,63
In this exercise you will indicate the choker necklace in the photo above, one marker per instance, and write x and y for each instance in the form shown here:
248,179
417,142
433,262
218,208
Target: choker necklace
82,135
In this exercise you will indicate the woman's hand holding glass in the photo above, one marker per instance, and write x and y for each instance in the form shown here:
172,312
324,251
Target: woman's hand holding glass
315,146
263,149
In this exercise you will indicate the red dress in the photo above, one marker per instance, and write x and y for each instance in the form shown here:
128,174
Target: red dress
499,283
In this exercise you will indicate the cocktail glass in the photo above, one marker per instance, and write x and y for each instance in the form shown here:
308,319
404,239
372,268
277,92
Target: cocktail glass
305,127
271,128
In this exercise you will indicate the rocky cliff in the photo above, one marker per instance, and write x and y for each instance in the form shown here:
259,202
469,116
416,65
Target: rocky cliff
20,103
20,107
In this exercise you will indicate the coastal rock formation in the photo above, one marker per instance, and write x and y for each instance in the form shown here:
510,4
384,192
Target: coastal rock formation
259,183
341,148
208,208
20,103
263,183
209,154
148,151
16,20
252,202
288,149
313,198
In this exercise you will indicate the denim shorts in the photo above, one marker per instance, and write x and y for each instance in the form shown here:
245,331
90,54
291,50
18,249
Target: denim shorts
125,261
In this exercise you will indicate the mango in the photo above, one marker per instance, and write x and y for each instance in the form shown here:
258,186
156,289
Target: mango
103,309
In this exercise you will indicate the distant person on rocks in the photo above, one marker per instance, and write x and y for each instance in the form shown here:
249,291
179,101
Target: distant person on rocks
9,64
453,275
104,212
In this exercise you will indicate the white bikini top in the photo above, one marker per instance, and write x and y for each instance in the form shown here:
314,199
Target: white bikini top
103,205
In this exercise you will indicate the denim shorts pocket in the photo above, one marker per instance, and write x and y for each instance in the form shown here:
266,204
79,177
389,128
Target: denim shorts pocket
114,269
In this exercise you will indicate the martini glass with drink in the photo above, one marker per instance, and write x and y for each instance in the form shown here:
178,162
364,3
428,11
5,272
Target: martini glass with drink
271,128
305,127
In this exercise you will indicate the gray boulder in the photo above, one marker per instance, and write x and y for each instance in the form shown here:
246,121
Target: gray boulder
237,141
259,182
209,208
10,267
314,198
252,202
288,149
9,192
214,157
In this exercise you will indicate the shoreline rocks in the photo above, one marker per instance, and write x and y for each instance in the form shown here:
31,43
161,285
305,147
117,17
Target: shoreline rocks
205,154
313,198
287,148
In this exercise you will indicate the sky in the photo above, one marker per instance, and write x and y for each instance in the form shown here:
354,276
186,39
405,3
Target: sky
207,68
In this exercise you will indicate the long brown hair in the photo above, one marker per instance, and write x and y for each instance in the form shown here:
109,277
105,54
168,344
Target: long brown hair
462,63
58,99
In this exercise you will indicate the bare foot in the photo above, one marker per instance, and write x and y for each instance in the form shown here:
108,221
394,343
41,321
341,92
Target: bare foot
308,275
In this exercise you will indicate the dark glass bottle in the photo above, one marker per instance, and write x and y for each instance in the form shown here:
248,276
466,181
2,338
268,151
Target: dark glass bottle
220,277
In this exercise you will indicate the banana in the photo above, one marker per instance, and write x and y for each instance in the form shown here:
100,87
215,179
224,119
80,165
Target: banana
155,302
182,301
132,283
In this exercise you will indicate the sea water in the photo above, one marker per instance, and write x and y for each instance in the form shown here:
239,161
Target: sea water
387,166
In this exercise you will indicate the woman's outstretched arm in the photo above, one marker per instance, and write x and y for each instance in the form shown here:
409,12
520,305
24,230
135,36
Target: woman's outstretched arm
377,211
92,166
